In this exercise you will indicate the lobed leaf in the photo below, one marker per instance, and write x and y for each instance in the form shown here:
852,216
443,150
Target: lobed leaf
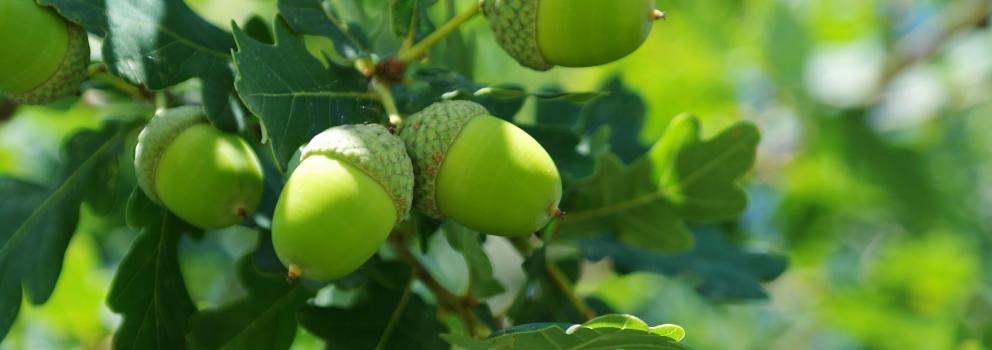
148,289
293,94
161,43
681,179
38,225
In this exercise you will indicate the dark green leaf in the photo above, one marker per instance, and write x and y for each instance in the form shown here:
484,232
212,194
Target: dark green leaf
482,284
366,325
563,146
681,179
258,29
38,225
293,94
148,289
160,43
264,320
557,112
540,300
719,270
312,18
623,111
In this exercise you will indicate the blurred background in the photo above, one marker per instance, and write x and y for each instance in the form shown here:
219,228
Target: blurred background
874,175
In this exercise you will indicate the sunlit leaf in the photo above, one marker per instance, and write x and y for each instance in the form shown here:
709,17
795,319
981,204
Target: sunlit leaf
161,43
681,179
482,284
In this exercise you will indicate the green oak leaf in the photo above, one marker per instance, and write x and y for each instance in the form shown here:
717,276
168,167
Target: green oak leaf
264,320
682,179
38,225
161,43
482,283
563,146
148,289
718,270
563,113
311,17
293,93
623,112
367,324
597,335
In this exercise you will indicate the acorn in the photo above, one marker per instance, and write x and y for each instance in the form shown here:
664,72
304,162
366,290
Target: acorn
208,178
45,57
353,184
480,171
541,34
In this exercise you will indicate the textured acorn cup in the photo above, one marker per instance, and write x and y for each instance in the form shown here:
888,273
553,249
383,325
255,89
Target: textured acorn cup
480,171
541,34
44,56
206,177
353,184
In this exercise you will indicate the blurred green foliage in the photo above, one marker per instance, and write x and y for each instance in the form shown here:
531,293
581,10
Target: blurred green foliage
874,175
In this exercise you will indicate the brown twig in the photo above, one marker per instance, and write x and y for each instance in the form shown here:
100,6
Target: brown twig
445,298
557,276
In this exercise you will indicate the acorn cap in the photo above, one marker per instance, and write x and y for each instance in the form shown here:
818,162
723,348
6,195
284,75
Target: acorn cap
155,138
428,134
67,77
371,148
514,24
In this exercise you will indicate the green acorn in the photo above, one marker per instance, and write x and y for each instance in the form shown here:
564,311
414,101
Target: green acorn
480,171
206,177
353,184
541,34
44,58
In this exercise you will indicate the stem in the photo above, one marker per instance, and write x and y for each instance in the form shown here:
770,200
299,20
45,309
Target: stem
395,318
557,277
99,72
445,298
414,53
560,281
385,93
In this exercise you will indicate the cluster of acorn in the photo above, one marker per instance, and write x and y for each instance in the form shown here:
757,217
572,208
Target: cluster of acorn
354,183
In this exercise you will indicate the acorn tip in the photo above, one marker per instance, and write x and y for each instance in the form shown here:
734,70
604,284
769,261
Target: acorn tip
294,273
658,15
